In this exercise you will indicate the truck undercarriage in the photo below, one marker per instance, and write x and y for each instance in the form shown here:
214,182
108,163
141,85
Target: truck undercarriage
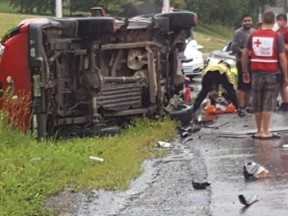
90,71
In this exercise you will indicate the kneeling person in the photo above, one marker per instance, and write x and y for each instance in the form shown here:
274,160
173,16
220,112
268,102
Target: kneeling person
213,76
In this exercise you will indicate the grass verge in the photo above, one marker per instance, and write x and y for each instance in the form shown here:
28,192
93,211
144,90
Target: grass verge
11,20
212,37
30,170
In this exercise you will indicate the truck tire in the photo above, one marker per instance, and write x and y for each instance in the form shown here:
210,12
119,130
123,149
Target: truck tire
182,114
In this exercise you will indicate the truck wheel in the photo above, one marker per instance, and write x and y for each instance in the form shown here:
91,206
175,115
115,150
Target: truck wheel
183,113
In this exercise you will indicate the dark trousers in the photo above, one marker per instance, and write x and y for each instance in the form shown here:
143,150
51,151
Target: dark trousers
215,79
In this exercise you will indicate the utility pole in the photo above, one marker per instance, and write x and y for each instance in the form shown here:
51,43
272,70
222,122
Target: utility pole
166,6
58,6
285,7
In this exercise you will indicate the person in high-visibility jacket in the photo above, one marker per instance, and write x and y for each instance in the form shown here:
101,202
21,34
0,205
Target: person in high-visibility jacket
216,75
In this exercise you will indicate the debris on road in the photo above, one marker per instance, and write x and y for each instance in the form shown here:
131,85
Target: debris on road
98,159
186,131
232,135
164,144
247,202
205,120
184,134
216,126
200,186
252,169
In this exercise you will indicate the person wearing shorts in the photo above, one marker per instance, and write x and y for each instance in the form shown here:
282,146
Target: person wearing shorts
267,53
239,41
283,30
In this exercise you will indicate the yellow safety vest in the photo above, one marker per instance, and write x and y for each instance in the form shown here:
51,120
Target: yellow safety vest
231,74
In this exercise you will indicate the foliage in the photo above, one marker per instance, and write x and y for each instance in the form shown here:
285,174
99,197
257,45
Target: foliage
227,12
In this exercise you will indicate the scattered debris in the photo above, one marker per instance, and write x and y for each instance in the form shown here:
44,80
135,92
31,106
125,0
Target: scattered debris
252,169
36,159
188,139
232,135
216,126
98,159
200,186
247,202
164,144
184,134
186,131
205,120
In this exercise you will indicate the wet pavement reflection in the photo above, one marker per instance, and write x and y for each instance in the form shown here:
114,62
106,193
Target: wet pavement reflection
225,158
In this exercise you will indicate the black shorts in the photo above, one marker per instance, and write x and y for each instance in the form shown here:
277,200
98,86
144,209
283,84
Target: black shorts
241,85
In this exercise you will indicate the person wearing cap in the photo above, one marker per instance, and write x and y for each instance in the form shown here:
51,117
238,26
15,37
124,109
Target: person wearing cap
240,38
267,52
214,75
283,30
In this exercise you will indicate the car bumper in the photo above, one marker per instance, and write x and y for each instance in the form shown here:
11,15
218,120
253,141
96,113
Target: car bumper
192,69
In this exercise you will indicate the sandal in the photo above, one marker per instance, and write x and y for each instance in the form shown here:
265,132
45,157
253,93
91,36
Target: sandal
274,136
256,137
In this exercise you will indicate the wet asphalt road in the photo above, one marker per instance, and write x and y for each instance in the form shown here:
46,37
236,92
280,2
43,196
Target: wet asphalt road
165,187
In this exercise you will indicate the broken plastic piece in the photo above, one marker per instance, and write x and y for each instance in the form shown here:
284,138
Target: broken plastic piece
200,186
252,169
164,144
247,202
96,159
184,134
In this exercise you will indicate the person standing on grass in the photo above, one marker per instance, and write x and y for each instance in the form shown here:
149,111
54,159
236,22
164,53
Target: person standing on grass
283,30
267,53
240,38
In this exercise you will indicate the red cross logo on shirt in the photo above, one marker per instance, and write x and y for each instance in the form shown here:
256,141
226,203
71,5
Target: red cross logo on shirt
258,43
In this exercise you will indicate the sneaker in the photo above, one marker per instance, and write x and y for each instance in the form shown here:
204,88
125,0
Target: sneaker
242,112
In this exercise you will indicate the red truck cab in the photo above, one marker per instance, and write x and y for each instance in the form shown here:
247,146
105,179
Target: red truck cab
98,11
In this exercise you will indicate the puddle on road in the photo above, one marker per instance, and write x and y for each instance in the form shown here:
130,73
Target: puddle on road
273,156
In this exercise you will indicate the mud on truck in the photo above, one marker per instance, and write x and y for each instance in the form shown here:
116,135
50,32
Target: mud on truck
79,75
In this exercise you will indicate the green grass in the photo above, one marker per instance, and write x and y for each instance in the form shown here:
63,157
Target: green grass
30,170
9,21
212,37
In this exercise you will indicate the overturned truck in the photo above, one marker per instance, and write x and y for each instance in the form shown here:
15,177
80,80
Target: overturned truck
85,73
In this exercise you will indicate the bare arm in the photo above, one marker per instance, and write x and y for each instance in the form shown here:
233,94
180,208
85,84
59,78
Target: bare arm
244,60
236,44
283,64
